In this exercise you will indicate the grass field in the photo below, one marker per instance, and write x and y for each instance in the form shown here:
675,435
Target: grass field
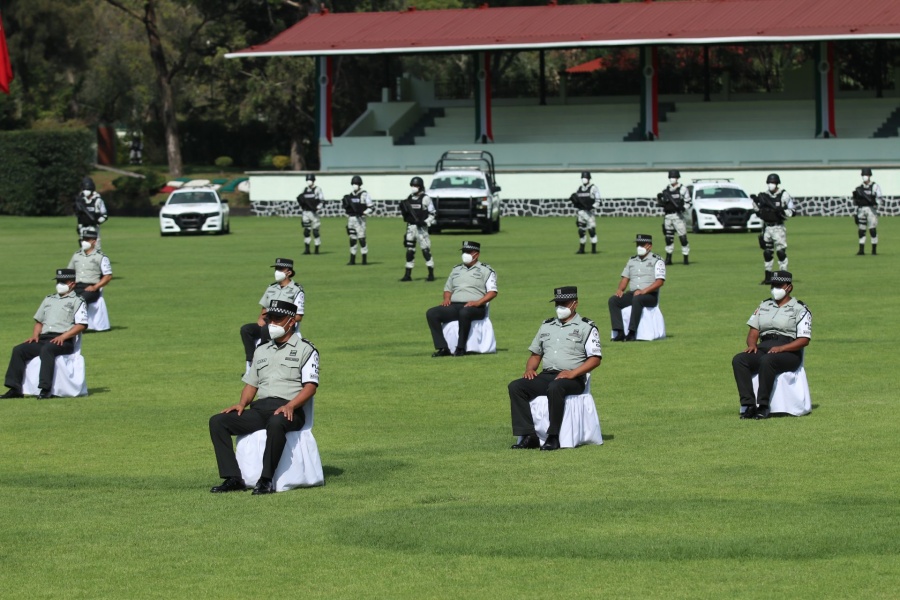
107,496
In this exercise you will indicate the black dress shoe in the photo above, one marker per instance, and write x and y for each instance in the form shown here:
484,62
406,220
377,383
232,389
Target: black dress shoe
552,443
12,393
44,395
441,352
528,442
747,412
762,412
619,337
460,352
231,484
264,486
630,337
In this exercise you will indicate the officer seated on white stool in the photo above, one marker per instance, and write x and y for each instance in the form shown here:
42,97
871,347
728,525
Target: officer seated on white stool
644,274
59,319
284,375
780,328
470,286
92,268
569,347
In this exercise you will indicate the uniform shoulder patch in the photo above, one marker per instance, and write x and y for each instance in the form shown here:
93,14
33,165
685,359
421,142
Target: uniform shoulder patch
588,321
656,256
308,343
635,256
487,266
548,321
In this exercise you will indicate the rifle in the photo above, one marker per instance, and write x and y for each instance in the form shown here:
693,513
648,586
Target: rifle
84,216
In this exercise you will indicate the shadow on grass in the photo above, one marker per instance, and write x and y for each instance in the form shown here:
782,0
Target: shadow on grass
607,438
98,390
113,328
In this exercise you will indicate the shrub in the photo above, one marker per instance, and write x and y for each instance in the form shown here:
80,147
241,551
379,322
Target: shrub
132,194
41,170
223,162
281,162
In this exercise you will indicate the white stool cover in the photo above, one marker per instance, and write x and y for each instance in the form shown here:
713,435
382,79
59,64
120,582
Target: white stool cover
790,394
481,336
300,464
69,379
98,318
581,423
651,327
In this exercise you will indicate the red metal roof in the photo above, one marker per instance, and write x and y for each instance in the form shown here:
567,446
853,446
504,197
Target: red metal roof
676,22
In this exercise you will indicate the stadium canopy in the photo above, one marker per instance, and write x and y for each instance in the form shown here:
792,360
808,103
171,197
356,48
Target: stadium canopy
584,25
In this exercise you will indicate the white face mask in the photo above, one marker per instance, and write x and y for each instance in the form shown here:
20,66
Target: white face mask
563,312
778,294
673,182
62,289
413,190
280,276
641,251
467,258
866,178
585,181
310,184
85,245
276,331
773,187
355,187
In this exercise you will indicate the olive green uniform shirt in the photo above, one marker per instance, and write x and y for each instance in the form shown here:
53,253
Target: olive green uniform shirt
792,320
90,268
58,314
566,346
467,284
282,371
292,292
641,272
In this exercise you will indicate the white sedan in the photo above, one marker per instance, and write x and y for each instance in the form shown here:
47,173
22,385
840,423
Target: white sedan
195,210
721,205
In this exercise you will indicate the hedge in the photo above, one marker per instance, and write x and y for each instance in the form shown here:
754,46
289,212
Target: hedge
41,170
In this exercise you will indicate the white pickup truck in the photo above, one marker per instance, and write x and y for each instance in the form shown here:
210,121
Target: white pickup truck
465,192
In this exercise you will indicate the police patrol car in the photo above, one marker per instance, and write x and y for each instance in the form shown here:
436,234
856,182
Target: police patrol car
194,209
721,205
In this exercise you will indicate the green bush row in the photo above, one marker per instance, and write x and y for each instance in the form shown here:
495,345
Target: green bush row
41,170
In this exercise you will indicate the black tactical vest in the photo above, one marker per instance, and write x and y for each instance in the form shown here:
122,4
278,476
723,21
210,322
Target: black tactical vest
583,199
674,201
308,199
771,208
866,196
413,209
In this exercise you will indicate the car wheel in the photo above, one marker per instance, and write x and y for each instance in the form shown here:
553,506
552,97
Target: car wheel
695,226
487,227
228,227
497,225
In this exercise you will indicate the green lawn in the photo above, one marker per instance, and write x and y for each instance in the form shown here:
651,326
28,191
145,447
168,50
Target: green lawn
107,496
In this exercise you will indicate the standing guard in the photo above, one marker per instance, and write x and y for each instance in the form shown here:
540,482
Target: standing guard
673,200
774,207
866,198
357,205
309,200
419,213
89,209
587,201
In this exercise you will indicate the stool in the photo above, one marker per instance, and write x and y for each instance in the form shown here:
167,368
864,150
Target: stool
652,325
581,423
300,464
98,318
790,394
69,380
481,336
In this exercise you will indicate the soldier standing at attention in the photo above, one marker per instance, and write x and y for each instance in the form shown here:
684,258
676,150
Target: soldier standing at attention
309,200
866,198
357,205
284,288
419,214
569,347
92,268
90,209
587,201
644,274
774,207
673,200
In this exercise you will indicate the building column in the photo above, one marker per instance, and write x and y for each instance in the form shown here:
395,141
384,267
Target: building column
483,129
649,93
324,86
825,90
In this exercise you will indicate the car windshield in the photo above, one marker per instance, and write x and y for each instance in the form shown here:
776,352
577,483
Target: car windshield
458,181
720,192
193,198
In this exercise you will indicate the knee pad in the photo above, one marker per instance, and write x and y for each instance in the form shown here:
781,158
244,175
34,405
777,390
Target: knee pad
873,232
306,231
768,254
592,231
316,232
410,254
581,231
362,242
683,240
782,254
426,252
762,242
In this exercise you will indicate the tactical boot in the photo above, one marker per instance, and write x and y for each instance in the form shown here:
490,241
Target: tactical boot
874,249
317,248
767,279
307,249
365,259
580,249
862,250
407,276
430,274
352,259
686,261
668,258
593,248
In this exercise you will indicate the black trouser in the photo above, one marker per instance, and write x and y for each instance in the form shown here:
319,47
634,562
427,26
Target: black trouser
637,304
457,311
21,354
259,415
251,333
89,297
768,366
523,391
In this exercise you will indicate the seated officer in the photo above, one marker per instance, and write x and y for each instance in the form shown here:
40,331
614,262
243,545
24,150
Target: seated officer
92,268
470,286
644,274
569,347
59,319
284,374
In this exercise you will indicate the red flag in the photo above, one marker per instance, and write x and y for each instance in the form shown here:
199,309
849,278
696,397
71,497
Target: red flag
6,72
